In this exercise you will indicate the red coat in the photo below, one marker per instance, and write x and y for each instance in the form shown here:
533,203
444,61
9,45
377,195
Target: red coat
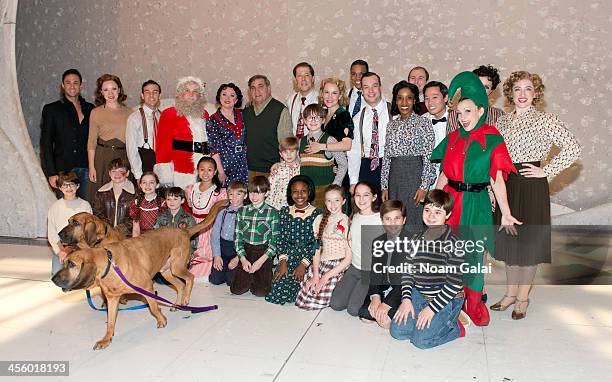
177,167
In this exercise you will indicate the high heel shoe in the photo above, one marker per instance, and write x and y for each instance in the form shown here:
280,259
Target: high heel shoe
498,307
517,314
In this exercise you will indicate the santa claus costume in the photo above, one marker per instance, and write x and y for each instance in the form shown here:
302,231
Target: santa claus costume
181,141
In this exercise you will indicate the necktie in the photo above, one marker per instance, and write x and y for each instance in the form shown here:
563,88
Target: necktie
434,121
357,107
374,144
300,125
155,122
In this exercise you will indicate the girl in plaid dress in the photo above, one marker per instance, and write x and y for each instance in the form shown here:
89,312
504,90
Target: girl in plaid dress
145,209
333,255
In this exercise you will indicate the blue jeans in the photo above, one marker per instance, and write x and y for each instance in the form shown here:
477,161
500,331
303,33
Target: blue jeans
443,328
83,174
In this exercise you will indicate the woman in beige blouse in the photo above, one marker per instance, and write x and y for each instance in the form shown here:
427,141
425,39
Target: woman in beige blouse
529,135
107,125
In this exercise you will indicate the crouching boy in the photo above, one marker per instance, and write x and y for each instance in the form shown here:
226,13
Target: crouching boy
432,300
256,236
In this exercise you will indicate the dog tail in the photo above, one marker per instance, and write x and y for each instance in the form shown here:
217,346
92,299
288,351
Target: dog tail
209,220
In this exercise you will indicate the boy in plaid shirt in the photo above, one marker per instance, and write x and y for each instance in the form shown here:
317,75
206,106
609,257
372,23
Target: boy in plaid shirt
174,216
256,237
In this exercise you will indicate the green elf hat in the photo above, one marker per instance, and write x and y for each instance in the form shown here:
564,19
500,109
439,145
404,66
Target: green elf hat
471,88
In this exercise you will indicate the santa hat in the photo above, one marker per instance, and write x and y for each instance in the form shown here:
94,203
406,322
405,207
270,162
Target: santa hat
184,80
471,88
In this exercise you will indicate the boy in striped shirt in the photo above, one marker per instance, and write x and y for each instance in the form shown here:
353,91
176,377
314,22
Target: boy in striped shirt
432,289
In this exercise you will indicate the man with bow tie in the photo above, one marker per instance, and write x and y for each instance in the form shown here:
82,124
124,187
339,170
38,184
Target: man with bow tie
436,98
442,120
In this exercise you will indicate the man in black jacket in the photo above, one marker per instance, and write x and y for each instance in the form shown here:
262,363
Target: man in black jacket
65,128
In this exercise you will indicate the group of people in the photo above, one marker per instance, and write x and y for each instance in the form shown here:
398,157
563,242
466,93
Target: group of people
294,172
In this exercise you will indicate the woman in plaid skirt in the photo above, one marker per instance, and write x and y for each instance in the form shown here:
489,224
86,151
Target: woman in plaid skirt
333,255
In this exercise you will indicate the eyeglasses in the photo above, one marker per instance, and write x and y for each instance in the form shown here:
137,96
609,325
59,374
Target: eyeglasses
69,185
314,118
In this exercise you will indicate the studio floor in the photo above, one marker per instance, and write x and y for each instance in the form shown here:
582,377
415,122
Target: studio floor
567,336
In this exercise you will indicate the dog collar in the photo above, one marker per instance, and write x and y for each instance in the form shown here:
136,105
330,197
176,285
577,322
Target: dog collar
109,255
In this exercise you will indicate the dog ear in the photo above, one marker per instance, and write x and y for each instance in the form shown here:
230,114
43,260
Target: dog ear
91,233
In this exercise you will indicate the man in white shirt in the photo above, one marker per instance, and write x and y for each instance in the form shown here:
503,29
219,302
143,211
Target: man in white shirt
356,101
305,94
436,99
134,134
368,147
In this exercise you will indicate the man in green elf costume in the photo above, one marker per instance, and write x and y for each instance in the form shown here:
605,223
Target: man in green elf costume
473,157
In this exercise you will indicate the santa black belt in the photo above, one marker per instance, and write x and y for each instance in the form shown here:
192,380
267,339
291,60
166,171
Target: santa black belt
192,147
467,187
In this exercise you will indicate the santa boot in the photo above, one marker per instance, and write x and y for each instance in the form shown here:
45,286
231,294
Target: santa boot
475,308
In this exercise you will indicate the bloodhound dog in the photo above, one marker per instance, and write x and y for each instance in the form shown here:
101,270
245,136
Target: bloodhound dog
164,250
85,230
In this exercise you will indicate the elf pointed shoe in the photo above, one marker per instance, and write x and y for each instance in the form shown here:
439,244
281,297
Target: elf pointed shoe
475,308
461,329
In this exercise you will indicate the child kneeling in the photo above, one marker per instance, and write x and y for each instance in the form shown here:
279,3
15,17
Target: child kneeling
384,292
431,301
333,255
225,259
256,238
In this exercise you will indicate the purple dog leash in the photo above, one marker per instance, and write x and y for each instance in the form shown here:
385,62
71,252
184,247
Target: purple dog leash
192,309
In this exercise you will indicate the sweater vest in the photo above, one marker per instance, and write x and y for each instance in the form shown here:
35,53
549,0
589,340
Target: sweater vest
317,166
261,136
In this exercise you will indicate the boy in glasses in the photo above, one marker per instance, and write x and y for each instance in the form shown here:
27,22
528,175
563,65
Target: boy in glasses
59,213
323,167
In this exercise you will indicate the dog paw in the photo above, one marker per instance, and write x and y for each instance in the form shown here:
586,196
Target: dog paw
123,300
161,323
173,309
102,344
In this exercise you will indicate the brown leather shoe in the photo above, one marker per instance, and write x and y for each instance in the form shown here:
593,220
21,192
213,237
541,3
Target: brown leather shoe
498,305
518,313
